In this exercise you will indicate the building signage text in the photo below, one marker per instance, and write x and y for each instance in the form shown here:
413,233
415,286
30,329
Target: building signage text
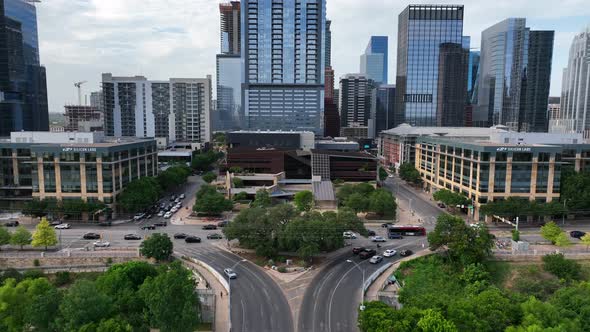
503,149
78,150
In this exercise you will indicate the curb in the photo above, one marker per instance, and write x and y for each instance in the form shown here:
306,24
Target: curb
211,270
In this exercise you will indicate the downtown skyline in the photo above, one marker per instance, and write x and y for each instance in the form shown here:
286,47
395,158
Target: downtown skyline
185,49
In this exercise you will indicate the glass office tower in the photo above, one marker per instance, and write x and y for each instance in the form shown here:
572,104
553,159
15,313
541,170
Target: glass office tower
472,77
23,86
422,29
283,55
374,60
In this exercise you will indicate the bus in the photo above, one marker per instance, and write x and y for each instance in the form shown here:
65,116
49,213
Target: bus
407,230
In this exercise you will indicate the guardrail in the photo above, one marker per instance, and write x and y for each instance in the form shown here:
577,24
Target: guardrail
98,253
375,275
207,267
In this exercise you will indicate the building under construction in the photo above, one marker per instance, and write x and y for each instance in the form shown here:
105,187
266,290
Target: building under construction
83,118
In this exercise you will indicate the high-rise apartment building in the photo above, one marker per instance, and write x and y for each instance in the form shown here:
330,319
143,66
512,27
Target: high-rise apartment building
178,109
385,111
96,100
230,27
422,30
515,68
374,60
283,55
23,83
575,89
328,43
357,105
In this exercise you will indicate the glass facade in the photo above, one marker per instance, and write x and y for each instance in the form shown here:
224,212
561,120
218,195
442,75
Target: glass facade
283,63
375,59
385,108
229,92
421,31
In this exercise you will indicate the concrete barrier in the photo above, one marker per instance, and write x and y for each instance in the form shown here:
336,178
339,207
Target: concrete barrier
375,275
206,266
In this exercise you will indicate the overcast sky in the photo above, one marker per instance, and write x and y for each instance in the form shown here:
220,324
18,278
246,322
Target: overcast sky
80,39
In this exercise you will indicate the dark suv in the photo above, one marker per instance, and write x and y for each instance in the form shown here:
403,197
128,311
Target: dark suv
357,250
395,236
577,234
210,227
367,253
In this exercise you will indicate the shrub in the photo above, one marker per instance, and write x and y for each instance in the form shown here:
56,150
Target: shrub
12,274
109,261
62,278
515,235
561,267
36,262
33,274
282,269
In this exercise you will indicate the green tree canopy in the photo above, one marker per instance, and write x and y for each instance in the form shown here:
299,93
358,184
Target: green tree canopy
563,268
383,174
157,246
551,231
139,194
44,235
203,161
36,208
409,173
83,304
4,236
383,203
451,198
575,190
211,202
262,199
238,183
21,237
209,177
514,207
173,176
304,200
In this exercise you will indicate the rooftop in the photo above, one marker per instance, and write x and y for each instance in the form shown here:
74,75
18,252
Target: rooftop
408,130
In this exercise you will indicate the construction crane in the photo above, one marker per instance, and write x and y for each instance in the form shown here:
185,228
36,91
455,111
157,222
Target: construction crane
79,86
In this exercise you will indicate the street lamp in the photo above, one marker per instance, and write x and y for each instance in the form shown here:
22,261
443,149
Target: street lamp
229,290
362,307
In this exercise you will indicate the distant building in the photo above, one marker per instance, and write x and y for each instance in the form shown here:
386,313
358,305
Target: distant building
328,59
97,101
554,109
473,77
453,65
271,139
517,95
179,109
385,108
357,106
23,82
331,119
230,27
375,60
83,118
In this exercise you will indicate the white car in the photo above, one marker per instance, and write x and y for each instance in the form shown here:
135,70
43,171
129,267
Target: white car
63,226
174,210
389,253
101,244
161,213
349,235
181,196
138,216
375,259
230,273
168,215
378,239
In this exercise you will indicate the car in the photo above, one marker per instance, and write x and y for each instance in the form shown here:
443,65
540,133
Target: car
357,250
63,226
168,215
371,233
161,224
149,216
222,223
163,205
192,239
131,237
177,200
389,253
138,216
441,205
55,223
367,253
12,224
214,236
180,236
178,206
406,252
101,244
577,234
172,198
209,227
386,225
230,273
148,227
349,235
91,236
378,239
376,259
395,236
182,196
161,213
174,210
390,176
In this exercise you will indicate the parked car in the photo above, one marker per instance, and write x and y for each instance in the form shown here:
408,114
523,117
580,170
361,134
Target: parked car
161,224
168,215
180,236
222,223
367,253
210,227
101,244
577,234
214,236
395,236
91,236
148,227
230,273
63,226
371,233
138,216
161,213
441,205
375,259
349,235
149,216
163,205
55,222
192,239
357,250
386,225
378,239
12,224
177,200
389,253
131,237
174,210
406,252
172,198
182,196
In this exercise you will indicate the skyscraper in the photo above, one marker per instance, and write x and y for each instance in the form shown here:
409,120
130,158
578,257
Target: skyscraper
283,55
374,60
357,105
384,114
23,83
328,43
575,89
472,77
422,29
452,85
515,67
230,25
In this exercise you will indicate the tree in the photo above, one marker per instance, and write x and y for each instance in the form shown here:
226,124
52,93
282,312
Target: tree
211,202
209,177
307,251
451,198
433,321
236,169
382,174
83,304
409,173
173,176
43,306
551,231
563,240
4,236
382,203
241,196
36,208
575,190
586,240
114,325
44,235
204,161
157,246
171,302
21,237
139,194
561,267
357,202
262,199
304,200
74,208
238,183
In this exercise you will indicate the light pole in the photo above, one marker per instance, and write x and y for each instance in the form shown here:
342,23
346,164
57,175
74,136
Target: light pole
229,290
564,211
362,307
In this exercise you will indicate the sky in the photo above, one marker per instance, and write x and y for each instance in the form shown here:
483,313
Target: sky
81,39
